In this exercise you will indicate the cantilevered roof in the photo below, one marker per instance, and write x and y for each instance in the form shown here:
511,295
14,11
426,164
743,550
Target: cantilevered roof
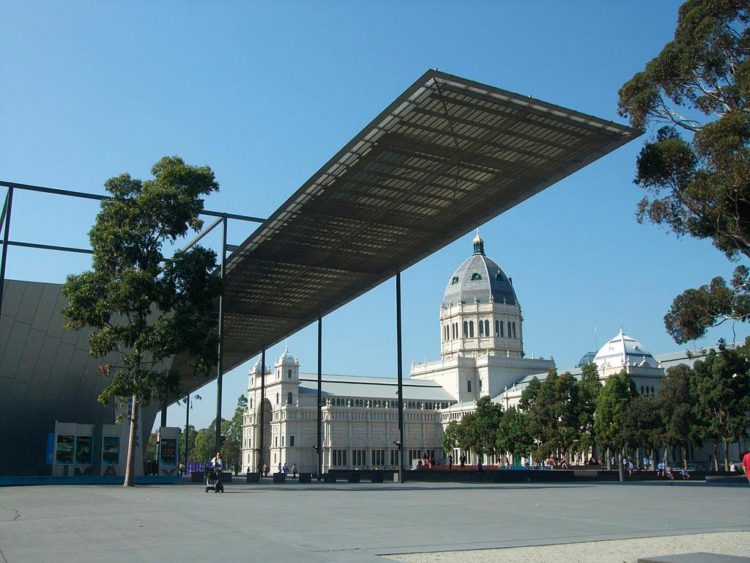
447,155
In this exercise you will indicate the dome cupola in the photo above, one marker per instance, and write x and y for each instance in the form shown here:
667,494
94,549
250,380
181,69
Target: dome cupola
479,280
622,351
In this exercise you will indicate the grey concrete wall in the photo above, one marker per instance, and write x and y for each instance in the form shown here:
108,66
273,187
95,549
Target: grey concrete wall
46,374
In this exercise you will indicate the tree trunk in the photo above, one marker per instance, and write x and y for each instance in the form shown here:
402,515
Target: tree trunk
726,456
716,456
685,457
619,466
130,464
609,460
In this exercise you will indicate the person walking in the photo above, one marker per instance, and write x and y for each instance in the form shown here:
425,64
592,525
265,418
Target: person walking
294,471
450,462
746,464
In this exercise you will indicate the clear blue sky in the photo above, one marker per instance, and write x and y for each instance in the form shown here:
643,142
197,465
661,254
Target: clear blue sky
266,92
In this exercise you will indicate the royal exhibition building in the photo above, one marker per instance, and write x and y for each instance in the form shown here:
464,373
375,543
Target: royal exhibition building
446,155
481,353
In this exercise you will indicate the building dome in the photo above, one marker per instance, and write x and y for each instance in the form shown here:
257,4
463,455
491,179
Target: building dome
255,370
286,359
479,280
624,350
586,359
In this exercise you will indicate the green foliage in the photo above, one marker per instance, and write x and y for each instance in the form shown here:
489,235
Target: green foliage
611,405
695,310
514,433
642,423
587,393
205,442
188,438
477,431
699,185
232,448
449,439
675,405
720,385
143,306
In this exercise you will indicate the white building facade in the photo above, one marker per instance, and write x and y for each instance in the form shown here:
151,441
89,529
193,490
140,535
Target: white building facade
481,335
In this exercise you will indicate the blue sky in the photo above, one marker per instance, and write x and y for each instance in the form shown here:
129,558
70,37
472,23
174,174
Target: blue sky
266,92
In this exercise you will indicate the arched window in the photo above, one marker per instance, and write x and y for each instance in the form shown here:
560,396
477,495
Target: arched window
502,332
466,329
481,328
289,398
514,329
454,280
476,276
250,403
277,398
471,329
288,374
510,334
486,327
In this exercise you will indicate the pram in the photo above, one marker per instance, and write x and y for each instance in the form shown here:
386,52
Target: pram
213,479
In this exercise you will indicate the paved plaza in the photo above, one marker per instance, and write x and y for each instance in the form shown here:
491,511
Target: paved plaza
360,522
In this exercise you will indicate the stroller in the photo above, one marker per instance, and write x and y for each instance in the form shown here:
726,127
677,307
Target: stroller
213,479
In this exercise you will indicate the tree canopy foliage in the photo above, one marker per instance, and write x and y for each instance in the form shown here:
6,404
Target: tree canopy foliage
696,169
145,307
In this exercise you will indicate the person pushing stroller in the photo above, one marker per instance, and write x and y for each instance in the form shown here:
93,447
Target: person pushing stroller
213,475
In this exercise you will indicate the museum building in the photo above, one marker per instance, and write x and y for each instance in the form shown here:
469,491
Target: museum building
481,327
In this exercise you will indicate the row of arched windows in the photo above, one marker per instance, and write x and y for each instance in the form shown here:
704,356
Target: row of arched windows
450,331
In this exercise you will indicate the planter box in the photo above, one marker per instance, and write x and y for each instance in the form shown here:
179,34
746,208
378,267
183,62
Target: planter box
305,477
279,478
252,478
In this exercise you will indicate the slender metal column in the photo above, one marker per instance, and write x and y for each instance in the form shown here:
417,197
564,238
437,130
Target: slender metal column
320,397
163,421
400,382
6,233
187,430
262,406
220,363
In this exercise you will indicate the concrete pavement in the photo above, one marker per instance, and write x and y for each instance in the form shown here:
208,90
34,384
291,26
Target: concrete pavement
346,522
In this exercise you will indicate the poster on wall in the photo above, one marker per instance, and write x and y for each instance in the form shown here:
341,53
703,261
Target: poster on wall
111,450
83,449
168,449
64,449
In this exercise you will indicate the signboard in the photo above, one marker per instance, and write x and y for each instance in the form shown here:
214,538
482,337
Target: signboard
64,449
111,450
168,455
83,449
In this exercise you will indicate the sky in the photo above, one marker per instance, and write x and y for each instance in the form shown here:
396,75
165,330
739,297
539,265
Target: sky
266,92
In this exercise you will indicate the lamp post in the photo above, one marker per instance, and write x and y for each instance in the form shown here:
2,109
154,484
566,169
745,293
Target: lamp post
188,406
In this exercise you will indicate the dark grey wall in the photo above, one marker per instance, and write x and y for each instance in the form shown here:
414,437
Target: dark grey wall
46,374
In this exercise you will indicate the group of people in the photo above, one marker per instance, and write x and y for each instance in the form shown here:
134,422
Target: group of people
281,469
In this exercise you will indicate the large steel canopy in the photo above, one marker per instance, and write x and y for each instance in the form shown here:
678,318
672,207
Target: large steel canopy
447,155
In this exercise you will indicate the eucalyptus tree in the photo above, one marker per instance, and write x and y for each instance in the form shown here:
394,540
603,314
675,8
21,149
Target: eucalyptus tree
611,406
696,168
143,306
720,386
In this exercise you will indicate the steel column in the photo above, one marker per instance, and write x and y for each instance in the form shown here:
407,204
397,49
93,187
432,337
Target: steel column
220,363
400,382
262,406
187,430
320,397
6,233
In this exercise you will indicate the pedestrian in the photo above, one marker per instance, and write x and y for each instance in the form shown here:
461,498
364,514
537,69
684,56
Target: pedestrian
479,465
294,471
462,460
450,462
746,465
265,470
285,469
